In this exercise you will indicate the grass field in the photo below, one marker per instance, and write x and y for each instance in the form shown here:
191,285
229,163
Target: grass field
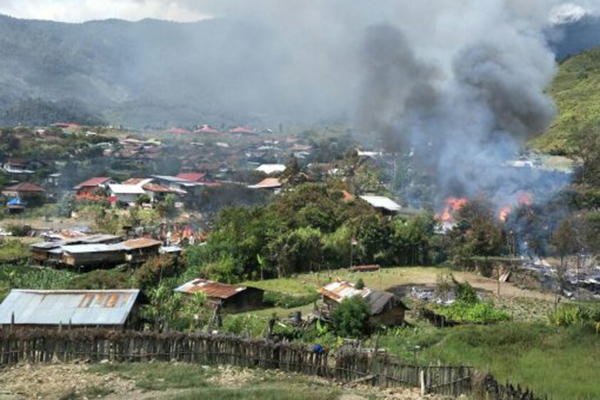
560,362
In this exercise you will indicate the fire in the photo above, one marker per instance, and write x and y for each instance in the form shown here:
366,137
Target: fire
452,205
525,198
504,213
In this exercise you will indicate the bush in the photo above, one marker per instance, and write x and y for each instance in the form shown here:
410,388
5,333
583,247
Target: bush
351,317
284,300
19,230
102,280
567,315
154,270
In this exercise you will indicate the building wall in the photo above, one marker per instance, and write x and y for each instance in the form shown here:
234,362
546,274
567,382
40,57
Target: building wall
248,299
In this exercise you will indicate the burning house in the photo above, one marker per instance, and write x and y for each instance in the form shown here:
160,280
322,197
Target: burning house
385,308
228,298
116,309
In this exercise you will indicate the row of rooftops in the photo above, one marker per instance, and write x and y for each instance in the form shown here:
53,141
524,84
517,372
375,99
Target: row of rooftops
112,307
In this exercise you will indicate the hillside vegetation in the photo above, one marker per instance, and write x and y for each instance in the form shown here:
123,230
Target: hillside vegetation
576,91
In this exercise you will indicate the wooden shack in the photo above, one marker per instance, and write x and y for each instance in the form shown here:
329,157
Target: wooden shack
230,298
113,309
385,308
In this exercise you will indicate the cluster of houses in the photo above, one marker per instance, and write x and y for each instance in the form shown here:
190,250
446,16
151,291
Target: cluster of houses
97,251
119,309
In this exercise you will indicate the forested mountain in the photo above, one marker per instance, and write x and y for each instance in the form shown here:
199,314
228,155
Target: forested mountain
576,91
160,74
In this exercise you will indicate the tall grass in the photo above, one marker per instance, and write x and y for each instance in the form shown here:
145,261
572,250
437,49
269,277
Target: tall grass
560,362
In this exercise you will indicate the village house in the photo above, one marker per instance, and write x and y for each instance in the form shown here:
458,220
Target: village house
125,193
385,308
229,298
100,251
94,189
383,204
111,309
23,191
268,184
271,169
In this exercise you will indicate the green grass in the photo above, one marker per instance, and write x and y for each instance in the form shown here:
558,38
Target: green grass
560,362
576,91
158,376
11,250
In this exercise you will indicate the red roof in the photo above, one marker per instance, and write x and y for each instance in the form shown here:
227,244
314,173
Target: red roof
94,182
210,288
25,187
207,129
178,131
241,129
192,176
155,188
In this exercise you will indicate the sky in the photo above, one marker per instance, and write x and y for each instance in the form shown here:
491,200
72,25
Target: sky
85,10
182,10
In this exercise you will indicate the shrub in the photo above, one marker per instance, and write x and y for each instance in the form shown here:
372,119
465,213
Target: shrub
154,270
351,317
567,315
19,230
102,279
284,300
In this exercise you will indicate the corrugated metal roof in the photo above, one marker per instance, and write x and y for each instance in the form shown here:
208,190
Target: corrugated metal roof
377,300
340,290
382,202
269,183
97,181
126,189
78,307
93,248
210,288
140,243
271,168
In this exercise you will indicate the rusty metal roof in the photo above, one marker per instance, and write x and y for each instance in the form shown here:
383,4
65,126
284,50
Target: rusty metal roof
210,288
377,299
340,290
141,243
77,307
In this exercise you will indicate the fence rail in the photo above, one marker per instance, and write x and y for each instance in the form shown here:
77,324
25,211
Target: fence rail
346,365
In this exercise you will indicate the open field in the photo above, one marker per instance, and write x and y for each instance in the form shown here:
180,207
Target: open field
175,381
522,304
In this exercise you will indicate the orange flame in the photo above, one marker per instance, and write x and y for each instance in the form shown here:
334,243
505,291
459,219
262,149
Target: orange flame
452,205
525,198
503,213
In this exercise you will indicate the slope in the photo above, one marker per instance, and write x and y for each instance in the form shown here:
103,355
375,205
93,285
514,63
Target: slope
576,91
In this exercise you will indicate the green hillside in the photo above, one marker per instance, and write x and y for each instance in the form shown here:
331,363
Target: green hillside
576,91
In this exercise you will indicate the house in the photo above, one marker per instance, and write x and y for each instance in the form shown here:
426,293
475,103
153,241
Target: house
271,169
269,183
138,251
94,188
95,251
206,129
384,204
18,169
243,131
50,253
384,307
229,298
192,176
125,193
113,309
23,191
